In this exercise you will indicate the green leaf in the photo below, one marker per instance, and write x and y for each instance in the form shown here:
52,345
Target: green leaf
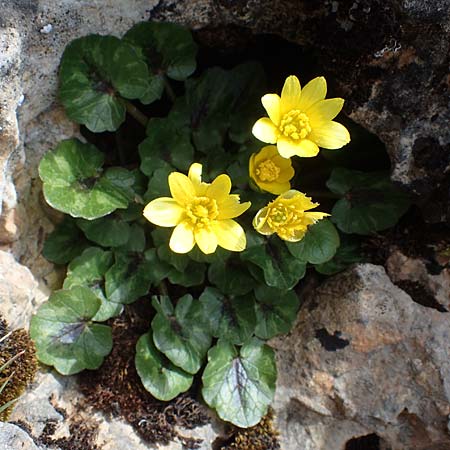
167,144
371,202
158,375
167,47
319,244
129,278
107,231
240,385
275,311
89,270
64,243
281,269
349,252
182,333
231,277
65,335
73,181
94,72
194,275
136,240
230,318
158,186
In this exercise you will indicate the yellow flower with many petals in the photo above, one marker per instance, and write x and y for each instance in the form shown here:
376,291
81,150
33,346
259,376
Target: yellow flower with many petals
287,216
201,213
301,120
269,171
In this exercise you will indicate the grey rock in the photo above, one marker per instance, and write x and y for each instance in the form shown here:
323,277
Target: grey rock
364,358
14,438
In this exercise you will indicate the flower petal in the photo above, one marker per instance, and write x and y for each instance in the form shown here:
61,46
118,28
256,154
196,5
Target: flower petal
231,208
260,222
276,187
164,211
206,240
181,188
182,239
304,148
291,94
195,173
314,91
220,188
316,215
331,135
265,130
230,235
324,111
271,103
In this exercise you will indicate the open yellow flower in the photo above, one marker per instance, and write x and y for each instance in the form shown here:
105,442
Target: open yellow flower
201,213
287,216
301,120
270,171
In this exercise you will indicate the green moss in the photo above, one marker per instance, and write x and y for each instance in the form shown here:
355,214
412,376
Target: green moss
18,349
263,436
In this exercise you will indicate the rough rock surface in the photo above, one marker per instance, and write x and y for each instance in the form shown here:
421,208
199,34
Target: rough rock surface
13,437
363,358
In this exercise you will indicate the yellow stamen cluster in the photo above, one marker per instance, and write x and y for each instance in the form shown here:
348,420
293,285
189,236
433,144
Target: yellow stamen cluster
267,170
295,125
202,211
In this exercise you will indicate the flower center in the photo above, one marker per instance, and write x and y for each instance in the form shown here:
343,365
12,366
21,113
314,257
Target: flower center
295,124
202,211
267,171
284,219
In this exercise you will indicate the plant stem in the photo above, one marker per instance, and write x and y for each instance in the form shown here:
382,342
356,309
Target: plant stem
162,288
169,90
133,111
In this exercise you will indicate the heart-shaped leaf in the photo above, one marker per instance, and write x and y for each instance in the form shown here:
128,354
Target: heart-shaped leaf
231,277
275,311
95,72
281,269
89,270
64,243
319,244
349,252
240,385
74,183
158,375
230,318
370,201
65,335
108,231
181,333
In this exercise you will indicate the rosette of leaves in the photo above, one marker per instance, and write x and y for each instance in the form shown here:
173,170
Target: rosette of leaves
75,183
96,74
168,49
65,333
370,202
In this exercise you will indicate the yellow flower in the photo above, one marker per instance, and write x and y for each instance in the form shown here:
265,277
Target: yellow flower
287,216
270,171
200,212
301,120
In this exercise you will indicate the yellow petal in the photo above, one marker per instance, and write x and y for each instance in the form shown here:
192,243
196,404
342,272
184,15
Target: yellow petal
304,148
297,236
271,103
324,111
265,130
230,235
164,211
314,91
286,174
276,187
331,135
195,173
206,240
260,222
220,188
290,95
316,215
182,239
231,208
267,152
181,188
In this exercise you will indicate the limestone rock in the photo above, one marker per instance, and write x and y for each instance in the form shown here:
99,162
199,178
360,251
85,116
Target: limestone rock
13,437
364,358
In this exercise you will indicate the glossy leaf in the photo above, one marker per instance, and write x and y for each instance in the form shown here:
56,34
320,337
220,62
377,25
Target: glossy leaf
95,72
108,231
74,183
231,277
158,375
349,252
240,385
181,333
230,318
65,335
319,244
